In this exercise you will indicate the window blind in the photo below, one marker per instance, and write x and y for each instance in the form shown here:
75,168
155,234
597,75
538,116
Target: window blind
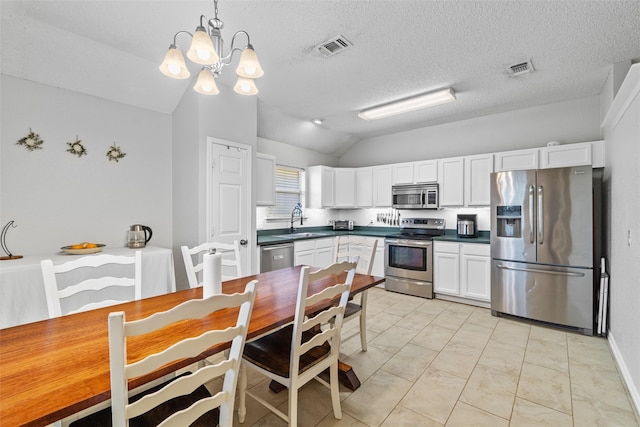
289,191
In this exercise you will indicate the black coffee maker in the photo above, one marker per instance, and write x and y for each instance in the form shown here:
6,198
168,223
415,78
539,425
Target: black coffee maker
467,226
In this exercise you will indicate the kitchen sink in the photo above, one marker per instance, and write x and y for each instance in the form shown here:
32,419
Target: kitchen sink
300,235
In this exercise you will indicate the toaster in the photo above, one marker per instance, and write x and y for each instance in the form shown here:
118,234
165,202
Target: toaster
343,225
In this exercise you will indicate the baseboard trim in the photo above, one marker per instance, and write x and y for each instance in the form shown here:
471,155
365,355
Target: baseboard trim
626,376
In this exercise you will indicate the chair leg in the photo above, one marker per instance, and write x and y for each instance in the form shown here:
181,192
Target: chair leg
363,321
293,405
335,391
242,394
363,331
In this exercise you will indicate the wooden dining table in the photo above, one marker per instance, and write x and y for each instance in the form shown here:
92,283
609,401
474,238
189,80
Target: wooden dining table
55,368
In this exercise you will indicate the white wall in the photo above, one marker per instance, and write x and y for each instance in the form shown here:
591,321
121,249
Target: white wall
567,122
622,176
58,199
290,155
227,116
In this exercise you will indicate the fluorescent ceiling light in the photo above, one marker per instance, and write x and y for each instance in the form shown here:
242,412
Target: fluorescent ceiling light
408,104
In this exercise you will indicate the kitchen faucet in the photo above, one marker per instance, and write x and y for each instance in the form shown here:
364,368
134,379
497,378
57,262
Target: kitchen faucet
296,210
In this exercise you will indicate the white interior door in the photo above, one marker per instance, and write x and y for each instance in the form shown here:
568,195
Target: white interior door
229,196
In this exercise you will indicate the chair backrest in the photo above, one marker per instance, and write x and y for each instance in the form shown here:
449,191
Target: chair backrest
230,261
177,349
325,324
105,284
358,249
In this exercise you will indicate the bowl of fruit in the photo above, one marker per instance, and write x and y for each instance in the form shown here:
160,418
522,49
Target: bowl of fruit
83,248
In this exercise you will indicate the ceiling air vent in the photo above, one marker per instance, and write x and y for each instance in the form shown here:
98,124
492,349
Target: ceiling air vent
521,68
333,46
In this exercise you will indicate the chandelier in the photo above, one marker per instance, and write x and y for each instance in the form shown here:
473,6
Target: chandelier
207,49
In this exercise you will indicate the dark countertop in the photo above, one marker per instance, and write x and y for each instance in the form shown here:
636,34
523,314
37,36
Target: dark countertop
452,236
266,237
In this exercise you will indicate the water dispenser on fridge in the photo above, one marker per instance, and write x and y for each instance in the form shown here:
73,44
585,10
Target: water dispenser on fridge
509,221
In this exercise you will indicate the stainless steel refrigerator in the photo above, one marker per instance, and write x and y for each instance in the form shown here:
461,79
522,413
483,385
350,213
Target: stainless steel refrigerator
545,238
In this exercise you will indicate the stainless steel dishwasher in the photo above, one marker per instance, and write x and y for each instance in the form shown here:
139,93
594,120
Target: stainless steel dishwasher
274,257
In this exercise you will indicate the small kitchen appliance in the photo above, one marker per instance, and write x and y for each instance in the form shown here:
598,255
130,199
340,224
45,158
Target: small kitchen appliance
343,225
408,256
467,226
138,236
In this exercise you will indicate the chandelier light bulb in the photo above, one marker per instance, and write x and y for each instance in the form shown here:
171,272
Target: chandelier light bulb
245,86
173,65
249,66
206,83
201,50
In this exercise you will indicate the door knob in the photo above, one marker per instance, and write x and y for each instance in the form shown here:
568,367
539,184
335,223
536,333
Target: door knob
243,242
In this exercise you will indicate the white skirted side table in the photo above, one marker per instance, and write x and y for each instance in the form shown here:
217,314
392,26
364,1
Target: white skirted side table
22,296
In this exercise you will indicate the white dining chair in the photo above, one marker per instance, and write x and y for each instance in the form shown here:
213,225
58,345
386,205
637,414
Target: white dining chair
231,263
362,250
90,282
299,352
183,400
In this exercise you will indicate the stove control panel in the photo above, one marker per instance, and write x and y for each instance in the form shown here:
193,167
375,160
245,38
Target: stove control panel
428,223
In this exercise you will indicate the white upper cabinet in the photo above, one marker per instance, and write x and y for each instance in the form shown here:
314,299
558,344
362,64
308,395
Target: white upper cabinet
320,187
403,173
516,160
364,187
559,156
451,181
344,187
382,176
555,156
265,180
425,171
477,174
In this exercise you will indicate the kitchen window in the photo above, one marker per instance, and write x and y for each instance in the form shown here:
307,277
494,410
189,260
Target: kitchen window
290,186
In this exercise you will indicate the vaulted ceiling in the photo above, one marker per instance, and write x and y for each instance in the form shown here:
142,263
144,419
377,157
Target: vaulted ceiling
112,49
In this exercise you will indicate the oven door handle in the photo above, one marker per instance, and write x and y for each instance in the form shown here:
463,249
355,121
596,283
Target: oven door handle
410,243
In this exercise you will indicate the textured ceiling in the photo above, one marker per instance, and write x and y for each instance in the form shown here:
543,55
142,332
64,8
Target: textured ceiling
112,49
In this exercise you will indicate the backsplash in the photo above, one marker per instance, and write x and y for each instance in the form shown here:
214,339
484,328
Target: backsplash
366,216
363,217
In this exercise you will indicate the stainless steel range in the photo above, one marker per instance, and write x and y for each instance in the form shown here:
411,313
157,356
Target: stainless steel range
408,255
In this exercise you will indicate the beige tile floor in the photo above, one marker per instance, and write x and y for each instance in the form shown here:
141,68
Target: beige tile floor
439,363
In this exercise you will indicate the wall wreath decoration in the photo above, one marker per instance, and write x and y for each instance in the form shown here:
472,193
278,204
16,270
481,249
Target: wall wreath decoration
115,153
76,148
31,142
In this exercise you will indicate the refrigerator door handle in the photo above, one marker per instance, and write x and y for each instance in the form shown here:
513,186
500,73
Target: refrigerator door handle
531,235
537,270
540,215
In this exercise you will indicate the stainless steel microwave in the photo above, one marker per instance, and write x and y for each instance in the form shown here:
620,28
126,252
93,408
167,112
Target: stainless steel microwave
415,196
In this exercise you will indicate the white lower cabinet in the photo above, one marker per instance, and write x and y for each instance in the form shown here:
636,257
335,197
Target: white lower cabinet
475,271
446,268
462,270
314,252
